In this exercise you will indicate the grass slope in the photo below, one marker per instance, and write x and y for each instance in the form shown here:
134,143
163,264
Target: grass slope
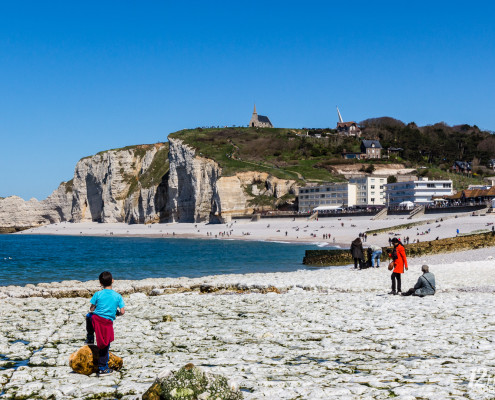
280,152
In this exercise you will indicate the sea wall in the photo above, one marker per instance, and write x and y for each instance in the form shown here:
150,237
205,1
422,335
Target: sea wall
447,245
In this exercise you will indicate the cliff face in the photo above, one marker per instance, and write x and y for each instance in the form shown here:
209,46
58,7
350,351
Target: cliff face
124,185
198,192
120,186
15,213
148,183
191,184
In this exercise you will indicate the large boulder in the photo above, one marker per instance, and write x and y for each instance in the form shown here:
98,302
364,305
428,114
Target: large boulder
191,383
85,360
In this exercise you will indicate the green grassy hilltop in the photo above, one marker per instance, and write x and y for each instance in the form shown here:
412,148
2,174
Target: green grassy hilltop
292,154
284,153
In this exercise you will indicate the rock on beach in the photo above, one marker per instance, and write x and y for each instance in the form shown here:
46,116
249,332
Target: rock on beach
85,360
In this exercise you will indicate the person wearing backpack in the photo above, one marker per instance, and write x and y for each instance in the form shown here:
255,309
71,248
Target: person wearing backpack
398,264
425,286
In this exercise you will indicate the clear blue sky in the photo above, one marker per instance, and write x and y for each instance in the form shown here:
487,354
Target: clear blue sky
80,77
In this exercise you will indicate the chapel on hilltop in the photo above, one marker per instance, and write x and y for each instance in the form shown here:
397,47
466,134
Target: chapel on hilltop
259,121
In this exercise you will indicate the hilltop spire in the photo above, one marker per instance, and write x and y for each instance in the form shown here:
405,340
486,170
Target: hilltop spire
340,116
254,112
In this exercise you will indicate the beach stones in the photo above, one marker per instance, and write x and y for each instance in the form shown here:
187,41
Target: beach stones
191,383
85,360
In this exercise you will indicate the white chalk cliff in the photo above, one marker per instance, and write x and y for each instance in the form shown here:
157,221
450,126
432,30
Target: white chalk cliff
140,184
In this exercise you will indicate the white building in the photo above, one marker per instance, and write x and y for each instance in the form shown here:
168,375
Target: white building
370,189
418,192
332,195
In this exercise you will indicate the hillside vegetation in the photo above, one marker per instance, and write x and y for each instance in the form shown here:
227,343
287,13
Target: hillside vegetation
438,144
292,154
284,153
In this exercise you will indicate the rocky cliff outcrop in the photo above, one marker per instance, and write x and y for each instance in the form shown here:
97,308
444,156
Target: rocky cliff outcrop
149,183
125,185
17,214
198,192
191,183
122,185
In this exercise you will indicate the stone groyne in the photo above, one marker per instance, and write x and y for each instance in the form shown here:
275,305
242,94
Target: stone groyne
447,245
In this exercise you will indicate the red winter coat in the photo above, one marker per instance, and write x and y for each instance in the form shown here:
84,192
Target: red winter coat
401,262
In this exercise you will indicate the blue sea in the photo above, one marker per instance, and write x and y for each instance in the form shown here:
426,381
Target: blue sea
36,258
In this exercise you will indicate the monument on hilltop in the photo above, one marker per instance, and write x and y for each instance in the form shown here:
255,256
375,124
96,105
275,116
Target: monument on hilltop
259,121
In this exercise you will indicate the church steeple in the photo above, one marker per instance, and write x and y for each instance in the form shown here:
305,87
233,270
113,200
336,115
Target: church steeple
254,112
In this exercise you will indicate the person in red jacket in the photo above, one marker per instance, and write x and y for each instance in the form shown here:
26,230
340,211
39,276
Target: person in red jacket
400,263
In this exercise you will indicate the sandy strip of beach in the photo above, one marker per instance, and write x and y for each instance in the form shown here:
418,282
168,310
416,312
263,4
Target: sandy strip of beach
341,230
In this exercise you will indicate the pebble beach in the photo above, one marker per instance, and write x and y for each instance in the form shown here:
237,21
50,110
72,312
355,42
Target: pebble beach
309,334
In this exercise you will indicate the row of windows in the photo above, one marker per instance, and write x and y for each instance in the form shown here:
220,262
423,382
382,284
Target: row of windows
322,196
328,189
315,203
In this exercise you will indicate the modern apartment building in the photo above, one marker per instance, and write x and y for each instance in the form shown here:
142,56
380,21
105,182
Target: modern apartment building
331,195
418,192
370,189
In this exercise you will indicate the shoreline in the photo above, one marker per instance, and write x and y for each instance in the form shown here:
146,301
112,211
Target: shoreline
300,233
308,278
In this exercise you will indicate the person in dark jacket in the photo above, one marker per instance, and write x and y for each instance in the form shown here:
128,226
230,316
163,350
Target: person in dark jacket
357,252
425,286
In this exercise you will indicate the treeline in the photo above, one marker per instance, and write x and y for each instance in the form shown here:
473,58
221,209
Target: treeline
438,144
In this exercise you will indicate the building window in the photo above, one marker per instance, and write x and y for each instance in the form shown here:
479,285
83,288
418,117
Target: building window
430,185
447,185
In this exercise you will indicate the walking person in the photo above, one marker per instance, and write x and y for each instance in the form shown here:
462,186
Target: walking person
398,264
357,252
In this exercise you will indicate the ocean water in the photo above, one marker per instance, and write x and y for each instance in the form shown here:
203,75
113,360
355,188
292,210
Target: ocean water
36,258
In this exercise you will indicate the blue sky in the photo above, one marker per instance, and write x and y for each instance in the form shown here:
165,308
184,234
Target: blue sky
77,78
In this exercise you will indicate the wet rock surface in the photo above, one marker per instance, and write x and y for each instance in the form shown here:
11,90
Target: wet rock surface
344,339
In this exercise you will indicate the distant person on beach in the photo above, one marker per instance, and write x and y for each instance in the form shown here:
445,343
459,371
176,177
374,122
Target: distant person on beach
357,252
399,262
106,305
425,286
375,255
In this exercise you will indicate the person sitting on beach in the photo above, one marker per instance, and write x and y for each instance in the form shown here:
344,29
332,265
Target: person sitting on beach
357,252
425,286
106,304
